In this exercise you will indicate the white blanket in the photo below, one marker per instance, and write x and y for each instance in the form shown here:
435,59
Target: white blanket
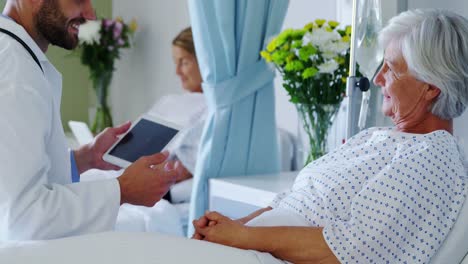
124,248
163,217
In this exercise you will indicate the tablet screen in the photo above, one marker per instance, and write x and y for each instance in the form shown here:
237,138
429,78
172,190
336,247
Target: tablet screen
145,138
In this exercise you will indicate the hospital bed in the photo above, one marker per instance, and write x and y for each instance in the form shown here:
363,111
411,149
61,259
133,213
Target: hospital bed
121,247
144,247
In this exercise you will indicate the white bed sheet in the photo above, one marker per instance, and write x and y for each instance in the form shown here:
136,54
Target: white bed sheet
163,217
123,248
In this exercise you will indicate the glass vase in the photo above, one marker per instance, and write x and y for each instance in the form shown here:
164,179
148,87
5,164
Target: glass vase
315,121
103,117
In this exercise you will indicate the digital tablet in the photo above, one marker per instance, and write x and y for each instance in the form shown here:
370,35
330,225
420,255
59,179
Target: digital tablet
148,135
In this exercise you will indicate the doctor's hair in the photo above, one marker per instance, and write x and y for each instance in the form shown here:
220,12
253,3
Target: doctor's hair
434,44
184,40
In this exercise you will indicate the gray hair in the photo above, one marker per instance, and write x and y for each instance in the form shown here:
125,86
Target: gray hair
434,44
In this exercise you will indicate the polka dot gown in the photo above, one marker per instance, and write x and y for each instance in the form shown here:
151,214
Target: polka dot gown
384,196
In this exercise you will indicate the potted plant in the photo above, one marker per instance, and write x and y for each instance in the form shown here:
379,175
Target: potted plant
313,62
100,43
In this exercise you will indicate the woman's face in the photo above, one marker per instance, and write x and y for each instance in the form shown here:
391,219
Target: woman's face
187,69
407,100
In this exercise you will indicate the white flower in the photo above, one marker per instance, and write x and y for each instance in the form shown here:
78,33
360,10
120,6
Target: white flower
329,66
328,54
320,37
89,32
335,47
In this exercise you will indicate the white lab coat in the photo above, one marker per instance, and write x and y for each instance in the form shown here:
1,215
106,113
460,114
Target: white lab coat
37,198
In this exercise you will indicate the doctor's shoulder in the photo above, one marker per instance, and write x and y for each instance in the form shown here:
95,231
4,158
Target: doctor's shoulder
22,83
17,63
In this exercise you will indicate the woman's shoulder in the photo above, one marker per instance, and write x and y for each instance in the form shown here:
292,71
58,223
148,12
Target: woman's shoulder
366,134
181,109
438,148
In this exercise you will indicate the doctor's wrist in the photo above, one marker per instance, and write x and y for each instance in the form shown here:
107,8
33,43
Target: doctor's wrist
83,158
123,183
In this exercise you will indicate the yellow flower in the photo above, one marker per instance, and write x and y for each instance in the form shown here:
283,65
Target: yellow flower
294,66
340,60
290,58
346,39
133,26
307,51
266,56
298,34
284,36
320,22
329,29
272,45
309,72
119,19
279,57
296,44
309,26
348,30
333,24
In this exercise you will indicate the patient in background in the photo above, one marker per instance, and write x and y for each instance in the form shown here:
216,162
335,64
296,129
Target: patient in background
187,110
185,60
389,195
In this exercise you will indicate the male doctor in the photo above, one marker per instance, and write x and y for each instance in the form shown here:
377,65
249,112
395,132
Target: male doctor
37,197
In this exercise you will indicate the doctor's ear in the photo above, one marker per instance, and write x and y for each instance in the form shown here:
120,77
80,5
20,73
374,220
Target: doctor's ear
36,5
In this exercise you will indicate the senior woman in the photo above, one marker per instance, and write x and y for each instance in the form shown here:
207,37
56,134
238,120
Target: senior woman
389,195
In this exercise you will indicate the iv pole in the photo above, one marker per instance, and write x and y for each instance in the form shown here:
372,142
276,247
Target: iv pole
357,110
354,84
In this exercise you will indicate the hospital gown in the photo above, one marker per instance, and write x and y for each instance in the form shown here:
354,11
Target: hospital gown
384,196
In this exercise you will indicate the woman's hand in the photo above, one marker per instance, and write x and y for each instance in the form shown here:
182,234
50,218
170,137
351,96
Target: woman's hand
201,223
217,228
204,221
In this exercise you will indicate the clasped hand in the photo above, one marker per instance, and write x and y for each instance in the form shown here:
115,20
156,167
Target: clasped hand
217,228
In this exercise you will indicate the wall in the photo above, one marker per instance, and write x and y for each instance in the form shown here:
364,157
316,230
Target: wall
300,12
146,72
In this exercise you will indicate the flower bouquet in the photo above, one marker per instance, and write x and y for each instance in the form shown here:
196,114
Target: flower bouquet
100,42
313,62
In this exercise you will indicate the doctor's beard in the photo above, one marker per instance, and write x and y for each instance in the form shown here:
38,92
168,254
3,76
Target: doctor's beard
53,25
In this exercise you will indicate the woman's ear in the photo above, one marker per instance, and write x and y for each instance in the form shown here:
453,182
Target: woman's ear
432,92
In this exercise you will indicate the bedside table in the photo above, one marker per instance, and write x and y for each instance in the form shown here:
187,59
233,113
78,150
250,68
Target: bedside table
239,196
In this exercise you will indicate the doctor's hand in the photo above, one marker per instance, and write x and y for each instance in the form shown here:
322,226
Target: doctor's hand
182,172
147,180
90,155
